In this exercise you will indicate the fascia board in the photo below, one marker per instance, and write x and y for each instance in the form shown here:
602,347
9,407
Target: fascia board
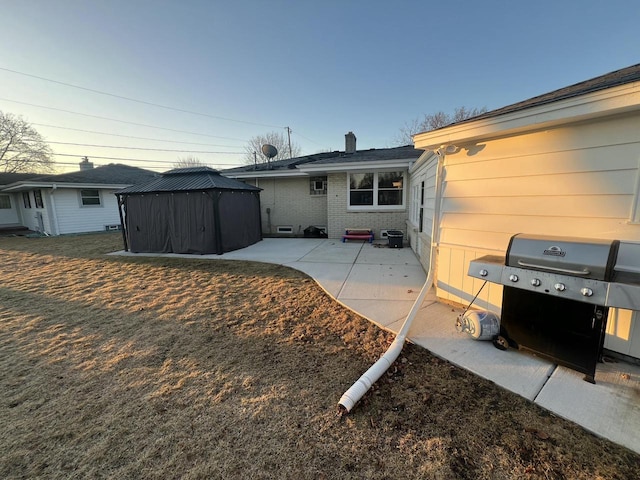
354,166
593,105
426,157
271,174
31,185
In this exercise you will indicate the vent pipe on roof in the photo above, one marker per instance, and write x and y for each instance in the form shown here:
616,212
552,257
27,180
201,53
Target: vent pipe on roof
85,164
350,143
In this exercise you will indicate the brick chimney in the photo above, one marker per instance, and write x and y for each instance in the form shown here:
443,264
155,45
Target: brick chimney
350,143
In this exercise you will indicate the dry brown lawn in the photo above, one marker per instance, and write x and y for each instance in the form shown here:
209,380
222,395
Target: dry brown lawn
114,367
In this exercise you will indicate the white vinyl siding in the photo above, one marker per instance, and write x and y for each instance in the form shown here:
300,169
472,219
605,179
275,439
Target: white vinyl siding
9,216
423,184
578,180
634,216
72,217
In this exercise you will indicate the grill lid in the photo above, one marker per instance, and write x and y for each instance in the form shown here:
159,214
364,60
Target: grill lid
627,267
580,257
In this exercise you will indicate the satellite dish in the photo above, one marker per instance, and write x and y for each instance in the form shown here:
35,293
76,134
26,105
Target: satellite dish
269,151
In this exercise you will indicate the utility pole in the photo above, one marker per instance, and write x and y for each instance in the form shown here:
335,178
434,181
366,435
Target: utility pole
289,137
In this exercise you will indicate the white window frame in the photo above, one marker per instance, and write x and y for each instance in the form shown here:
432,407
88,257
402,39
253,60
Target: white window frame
38,198
313,186
375,206
82,197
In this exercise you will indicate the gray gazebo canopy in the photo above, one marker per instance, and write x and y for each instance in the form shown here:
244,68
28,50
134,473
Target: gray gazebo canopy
190,210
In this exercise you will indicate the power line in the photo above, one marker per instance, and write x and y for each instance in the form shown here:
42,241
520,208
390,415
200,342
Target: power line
131,136
120,158
120,121
140,101
157,164
140,148
306,138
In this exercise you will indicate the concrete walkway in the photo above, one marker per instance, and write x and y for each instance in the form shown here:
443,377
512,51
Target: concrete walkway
382,284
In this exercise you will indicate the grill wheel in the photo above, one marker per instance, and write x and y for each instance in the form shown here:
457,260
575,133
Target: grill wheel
501,343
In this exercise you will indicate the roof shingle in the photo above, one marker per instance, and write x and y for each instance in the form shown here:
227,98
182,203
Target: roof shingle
328,158
112,174
613,79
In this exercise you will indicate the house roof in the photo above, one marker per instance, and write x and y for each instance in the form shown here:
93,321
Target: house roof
112,175
188,179
608,95
619,77
8,178
372,155
286,164
326,160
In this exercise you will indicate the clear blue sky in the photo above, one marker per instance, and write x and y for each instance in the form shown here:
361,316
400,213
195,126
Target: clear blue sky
322,68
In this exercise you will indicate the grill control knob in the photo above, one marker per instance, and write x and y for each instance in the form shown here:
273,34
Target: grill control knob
535,282
561,287
513,277
587,292
483,273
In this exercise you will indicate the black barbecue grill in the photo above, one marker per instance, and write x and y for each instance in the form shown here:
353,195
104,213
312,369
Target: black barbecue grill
557,294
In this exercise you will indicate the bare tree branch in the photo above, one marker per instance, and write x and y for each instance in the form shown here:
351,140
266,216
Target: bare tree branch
276,139
433,121
22,149
189,161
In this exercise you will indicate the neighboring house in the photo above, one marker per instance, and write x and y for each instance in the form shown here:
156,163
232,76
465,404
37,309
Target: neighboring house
10,213
76,202
333,190
565,163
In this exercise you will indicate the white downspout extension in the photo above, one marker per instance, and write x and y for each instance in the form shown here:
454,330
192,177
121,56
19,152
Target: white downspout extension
371,376
53,211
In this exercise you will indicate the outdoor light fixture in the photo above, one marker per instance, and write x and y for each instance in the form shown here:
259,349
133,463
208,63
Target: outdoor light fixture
446,150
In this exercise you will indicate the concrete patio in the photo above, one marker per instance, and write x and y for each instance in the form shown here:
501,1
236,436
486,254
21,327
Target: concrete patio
382,284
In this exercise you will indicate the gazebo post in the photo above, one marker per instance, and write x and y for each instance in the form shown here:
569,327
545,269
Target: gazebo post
122,225
216,222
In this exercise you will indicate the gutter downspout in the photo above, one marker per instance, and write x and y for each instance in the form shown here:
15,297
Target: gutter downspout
373,374
56,226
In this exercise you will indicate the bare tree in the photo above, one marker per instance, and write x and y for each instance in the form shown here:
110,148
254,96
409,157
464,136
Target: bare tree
434,121
189,161
278,140
22,148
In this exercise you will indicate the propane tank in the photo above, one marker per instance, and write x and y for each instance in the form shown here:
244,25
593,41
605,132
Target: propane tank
480,324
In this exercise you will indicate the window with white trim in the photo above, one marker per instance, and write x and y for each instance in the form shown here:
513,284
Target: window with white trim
417,202
90,197
37,196
379,190
318,185
5,202
26,199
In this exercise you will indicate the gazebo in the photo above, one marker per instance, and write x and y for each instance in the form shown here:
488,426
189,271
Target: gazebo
190,210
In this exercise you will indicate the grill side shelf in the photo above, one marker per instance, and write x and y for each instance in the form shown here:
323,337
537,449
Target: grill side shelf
487,268
623,295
